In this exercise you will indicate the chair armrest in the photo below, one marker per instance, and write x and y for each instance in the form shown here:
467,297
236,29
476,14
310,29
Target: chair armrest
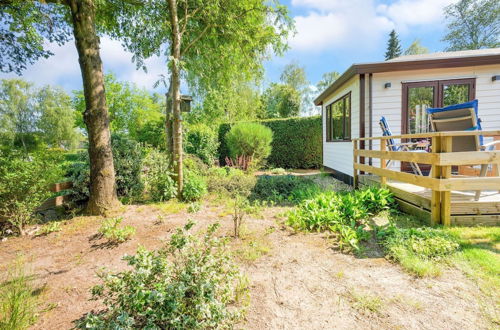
490,144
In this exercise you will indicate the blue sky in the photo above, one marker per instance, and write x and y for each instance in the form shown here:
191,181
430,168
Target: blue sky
330,36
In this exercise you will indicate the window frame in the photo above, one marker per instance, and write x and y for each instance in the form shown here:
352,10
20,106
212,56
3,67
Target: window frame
329,123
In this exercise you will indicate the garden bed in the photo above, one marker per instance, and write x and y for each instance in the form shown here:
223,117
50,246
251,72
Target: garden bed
296,280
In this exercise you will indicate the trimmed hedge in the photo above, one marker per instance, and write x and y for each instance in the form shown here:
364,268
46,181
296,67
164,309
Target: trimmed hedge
296,142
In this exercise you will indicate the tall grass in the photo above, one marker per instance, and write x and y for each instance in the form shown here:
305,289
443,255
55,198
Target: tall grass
18,299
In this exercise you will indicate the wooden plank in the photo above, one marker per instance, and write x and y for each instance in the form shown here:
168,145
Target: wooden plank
53,202
475,220
446,146
469,158
410,197
355,161
436,195
406,156
431,135
474,208
418,180
460,183
414,210
383,164
57,187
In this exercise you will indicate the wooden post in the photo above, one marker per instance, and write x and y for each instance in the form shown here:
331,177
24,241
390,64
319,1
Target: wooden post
436,195
355,161
446,146
383,164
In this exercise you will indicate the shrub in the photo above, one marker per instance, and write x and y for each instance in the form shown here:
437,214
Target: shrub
194,188
127,157
192,283
284,188
418,249
111,230
343,213
250,139
296,142
202,142
158,177
230,181
24,186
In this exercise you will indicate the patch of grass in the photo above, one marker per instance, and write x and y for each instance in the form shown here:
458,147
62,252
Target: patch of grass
365,302
111,230
170,207
19,299
252,246
50,227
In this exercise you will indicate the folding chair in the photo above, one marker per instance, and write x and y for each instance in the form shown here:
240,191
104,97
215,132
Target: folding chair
462,117
403,146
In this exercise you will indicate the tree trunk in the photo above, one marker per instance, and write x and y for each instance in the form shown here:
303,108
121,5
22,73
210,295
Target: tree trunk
176,95
102,172
169,124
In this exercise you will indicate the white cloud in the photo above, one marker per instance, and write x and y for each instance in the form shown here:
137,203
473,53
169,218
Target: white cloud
338,24
407,13
355,24
63,69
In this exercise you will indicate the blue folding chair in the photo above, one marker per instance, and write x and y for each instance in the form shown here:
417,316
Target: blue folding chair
462,117
403,146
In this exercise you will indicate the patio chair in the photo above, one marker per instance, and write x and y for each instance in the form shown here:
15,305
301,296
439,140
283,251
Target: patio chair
403,146
462,117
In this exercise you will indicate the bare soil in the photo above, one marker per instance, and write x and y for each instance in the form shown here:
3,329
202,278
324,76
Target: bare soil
297,281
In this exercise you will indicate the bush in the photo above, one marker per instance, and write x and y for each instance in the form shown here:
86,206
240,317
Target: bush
417,249
111,230
296,142
194,188
127,157
250,139
24,186
202,142
158,177
284,188
230,181
192,283
343,213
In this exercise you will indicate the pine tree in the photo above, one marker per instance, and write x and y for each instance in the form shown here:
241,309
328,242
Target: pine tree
393,46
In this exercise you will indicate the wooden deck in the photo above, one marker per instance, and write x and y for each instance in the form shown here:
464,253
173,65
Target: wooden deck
465,210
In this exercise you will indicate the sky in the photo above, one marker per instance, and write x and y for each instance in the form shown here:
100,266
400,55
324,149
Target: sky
330,36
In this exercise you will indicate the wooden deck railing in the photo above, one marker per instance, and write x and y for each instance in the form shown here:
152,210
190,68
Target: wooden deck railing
441,158
58,200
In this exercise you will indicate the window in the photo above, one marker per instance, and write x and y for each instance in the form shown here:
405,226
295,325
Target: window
338,119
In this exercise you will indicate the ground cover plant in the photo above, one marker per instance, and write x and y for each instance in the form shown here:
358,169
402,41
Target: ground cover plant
343,213
284,189
191,283
114,233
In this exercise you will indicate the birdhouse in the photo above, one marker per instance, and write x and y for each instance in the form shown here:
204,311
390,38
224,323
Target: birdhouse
185,103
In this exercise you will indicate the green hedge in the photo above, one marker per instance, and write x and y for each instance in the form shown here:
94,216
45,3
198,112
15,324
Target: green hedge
296,142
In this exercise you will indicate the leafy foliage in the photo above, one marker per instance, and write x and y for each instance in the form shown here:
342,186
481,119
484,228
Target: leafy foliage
195,187
296,142
281,101
284,189
127,157
158,176
473,24
24,186
111,230
250,139
416,48
189,284
327,79
201,141
342,213
230,181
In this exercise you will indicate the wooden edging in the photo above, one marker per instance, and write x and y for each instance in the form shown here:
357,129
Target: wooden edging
441,159
430,135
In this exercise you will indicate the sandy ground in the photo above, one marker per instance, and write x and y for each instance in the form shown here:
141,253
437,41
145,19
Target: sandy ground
299,282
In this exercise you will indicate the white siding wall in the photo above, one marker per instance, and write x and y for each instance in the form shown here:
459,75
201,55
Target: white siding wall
387,102
339,155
